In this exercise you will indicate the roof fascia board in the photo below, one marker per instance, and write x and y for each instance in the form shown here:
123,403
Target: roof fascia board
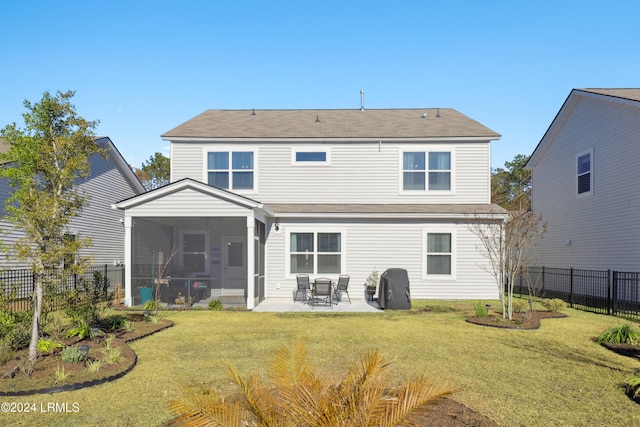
122,164
495,216
188,184
558,121
320,139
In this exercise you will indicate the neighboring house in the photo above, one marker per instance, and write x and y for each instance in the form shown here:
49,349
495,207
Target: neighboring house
584,182
110,180
259,196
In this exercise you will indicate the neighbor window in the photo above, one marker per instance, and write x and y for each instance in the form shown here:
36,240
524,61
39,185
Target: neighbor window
426,170
315,253
439,253
584,173
230,170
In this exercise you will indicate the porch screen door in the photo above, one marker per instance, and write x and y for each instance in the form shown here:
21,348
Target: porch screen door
235,259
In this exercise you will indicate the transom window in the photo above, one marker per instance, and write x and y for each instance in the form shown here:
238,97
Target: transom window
230,170
311,156
315,253
584,175
419,174
439,254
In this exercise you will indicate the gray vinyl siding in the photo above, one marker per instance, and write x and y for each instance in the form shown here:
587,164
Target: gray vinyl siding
359,172
105,186
387,244
604,228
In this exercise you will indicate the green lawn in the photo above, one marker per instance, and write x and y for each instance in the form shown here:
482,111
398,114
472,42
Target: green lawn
554,376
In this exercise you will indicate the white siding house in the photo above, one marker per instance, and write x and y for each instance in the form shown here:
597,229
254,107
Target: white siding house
110,180
258,196
584,181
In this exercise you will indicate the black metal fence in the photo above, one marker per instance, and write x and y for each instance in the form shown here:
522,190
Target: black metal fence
598,291
17,286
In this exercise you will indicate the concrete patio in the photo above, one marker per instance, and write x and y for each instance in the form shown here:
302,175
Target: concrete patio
288,304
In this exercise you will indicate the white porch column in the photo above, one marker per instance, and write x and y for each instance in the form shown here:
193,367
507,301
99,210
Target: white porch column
251,224
128,261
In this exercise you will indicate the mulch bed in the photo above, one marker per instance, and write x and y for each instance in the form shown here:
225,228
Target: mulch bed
42,380
530,321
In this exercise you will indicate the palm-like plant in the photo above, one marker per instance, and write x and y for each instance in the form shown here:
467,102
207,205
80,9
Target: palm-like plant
292,394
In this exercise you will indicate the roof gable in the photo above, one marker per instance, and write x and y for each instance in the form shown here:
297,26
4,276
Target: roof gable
625,96
309,124
188,184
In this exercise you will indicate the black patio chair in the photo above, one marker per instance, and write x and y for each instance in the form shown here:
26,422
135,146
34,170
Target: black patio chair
322,290
342,286
303,286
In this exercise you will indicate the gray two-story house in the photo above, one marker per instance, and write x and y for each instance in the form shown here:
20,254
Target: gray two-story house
259,196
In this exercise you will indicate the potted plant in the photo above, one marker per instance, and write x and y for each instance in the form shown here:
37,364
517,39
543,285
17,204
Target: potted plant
372,283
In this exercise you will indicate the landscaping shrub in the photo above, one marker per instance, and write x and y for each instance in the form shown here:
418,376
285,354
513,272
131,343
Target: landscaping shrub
519,305
47,345
72,354
633,387
481,309
215,305
81,330
623,334
554,305
292,394
89,299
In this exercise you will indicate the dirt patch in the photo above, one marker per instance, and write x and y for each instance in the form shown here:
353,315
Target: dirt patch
449,413
630,350
530,321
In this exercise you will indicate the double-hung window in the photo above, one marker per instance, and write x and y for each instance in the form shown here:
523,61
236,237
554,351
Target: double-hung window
315,253
231,170
584,169
438,253
426,171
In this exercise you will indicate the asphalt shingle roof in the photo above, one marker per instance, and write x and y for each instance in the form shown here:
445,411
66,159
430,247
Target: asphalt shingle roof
378,123
632,94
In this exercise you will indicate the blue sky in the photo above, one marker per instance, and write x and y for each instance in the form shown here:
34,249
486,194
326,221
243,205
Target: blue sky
144,67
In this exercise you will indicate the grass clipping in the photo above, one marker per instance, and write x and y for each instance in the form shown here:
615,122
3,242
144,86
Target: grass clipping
293,394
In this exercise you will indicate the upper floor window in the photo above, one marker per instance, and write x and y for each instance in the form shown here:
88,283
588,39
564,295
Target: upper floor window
419,174
584,169
231,170
310,157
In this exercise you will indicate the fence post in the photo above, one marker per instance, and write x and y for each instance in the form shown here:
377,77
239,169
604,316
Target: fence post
571,287
614,293
609,303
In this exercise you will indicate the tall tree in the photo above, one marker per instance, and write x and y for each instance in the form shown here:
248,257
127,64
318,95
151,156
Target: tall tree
511,187
155,172
44,162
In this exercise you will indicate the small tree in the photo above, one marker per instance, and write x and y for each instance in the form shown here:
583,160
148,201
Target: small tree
43,164
155,172
506,244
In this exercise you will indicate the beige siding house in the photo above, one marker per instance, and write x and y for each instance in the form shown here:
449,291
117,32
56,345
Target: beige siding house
259,196
584,182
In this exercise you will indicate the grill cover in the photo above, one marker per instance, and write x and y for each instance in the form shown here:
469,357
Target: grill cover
393,290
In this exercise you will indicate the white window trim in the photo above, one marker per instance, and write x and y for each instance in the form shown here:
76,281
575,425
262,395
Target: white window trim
315,231
582,153
439,277
426,150
311,149
230,149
